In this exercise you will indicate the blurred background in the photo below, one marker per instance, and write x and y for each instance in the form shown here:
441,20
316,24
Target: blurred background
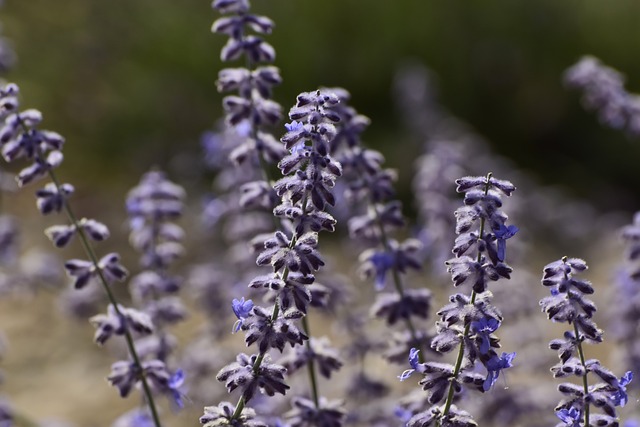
131,86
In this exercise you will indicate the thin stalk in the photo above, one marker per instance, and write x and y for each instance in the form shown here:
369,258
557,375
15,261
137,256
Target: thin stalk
397,280
112,299
458,365
274,315
467,327
311,365
585,382
156,265
256,365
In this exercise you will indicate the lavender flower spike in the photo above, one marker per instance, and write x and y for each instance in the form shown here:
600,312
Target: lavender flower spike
603,91
568,304
21,138
468,322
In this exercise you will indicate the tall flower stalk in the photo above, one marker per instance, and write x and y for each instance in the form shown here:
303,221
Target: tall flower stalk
240,154
603,92
468,322
250,110
370,192
305,192
20,137
568,304
153,206
249,113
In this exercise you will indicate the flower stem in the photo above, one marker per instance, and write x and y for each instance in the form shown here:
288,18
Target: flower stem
467,327
311,365
585,382
274,315
112,299
458,365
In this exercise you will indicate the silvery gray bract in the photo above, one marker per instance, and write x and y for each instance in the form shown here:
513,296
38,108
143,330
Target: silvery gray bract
267,377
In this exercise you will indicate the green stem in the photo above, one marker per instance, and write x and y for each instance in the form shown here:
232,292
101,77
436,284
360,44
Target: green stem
458,366
256,365
274,315
585,382
112,299
311,365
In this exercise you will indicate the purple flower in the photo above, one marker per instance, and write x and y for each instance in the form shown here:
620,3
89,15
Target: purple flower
483,329
142,420
494,366
414,362
293,126
175,382
134,418
243,129
382,262
620,396
502,234
403,414
571,416
299,147
241,309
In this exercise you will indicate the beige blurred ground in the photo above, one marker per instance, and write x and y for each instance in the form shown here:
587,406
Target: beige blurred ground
54,371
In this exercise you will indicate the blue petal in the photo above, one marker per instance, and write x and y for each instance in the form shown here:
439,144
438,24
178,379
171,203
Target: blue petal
413,358
406,374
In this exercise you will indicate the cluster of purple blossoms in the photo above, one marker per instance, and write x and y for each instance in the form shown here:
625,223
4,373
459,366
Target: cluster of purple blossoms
153,206
20,137
240,155
603,91
305,193
247,114
370,193
298,207
468,322
568,304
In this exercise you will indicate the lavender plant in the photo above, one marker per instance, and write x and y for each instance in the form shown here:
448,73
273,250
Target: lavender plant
370,192
292,253
256,152
153,205
250,111
604,92
322,143
21,138
468,322
241,154
568,304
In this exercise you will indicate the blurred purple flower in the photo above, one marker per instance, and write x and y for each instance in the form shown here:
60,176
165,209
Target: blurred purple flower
571,417
414,362
495,365
241,309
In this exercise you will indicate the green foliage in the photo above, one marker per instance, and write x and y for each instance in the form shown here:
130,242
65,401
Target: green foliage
131,83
